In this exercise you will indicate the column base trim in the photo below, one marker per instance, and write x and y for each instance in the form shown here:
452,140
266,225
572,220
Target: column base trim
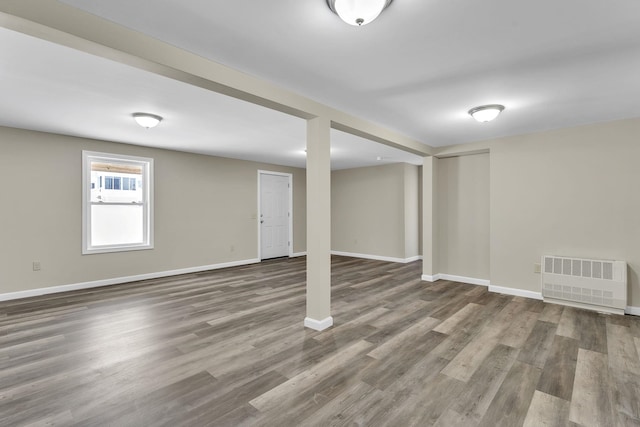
318,325
428,278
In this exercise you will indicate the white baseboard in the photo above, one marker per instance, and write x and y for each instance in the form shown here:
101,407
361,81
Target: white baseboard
377,257
454,278
318,325
515,292
119,280
462,279
297,254
635,311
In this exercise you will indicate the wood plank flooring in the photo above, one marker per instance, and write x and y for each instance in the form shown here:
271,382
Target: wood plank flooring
227,348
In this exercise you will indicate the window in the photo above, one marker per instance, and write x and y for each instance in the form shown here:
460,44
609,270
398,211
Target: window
117,201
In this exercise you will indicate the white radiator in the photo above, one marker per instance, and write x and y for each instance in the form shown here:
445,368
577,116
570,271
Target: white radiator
587,283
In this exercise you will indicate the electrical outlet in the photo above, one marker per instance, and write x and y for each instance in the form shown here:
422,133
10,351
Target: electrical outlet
36,266
537,268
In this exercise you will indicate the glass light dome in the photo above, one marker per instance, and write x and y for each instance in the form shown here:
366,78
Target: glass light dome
486,113
358,12
147,120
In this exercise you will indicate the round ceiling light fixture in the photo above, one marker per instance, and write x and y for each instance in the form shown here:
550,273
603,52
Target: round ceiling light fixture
358,12
486,113
147,120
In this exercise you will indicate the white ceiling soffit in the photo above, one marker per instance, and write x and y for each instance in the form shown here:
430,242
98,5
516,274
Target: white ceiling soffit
52,88
422,64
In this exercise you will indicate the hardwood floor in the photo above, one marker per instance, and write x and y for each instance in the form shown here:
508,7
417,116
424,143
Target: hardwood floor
227,348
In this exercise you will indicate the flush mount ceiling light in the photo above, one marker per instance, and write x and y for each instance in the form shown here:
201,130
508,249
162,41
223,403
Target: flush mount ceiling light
358,12
147,120
486,113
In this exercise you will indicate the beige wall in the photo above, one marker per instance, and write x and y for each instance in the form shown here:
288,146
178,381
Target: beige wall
368,208
463,216
203,206
573,192
567,192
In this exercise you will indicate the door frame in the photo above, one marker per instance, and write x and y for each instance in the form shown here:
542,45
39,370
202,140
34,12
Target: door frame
290,218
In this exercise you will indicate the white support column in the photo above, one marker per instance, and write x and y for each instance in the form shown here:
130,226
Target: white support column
318,224
429,220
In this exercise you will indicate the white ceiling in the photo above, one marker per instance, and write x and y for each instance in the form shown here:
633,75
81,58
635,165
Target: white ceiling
52,88
417,70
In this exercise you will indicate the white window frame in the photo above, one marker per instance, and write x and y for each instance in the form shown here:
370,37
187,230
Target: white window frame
147,201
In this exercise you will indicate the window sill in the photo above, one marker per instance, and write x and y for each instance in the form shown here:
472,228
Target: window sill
111,249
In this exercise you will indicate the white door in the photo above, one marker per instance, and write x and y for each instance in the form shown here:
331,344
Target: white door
274,215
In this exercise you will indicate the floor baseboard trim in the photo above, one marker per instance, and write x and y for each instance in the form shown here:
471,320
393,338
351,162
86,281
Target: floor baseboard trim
377,257
635,311
298,254
463,279
318,325
515,292
454,278
119,280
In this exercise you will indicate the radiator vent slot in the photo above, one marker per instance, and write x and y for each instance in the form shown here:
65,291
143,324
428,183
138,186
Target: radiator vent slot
596,284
